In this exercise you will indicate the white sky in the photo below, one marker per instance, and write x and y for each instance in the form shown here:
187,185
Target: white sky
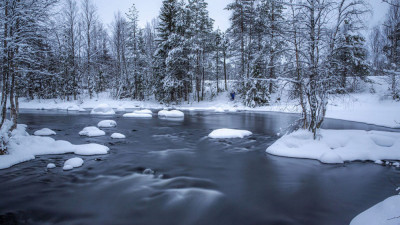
149,9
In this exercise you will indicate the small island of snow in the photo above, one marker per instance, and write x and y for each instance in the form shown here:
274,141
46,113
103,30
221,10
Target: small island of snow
229,133
44,132
338,146
102,109
73,163
92,132
171,114
51,166
117,136
107,124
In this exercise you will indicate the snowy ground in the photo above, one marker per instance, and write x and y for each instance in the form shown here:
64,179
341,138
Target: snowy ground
369,106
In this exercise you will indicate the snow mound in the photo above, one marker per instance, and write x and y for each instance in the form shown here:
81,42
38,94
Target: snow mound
229,133
24,147
137,115
144,111
82,110
51,166
92,132
44,132
73,163
171,114
73,108
102,109
220,110
338,146
383,213
117,136
107,124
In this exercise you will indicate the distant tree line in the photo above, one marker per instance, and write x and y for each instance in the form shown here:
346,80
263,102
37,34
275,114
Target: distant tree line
61,49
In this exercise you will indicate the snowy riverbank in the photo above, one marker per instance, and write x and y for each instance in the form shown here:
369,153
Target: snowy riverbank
369,106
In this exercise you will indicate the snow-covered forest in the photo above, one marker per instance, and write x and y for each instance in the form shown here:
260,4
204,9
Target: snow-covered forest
60,49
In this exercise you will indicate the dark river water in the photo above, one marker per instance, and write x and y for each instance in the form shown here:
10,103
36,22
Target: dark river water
196,180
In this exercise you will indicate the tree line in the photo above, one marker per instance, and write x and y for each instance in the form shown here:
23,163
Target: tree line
61,49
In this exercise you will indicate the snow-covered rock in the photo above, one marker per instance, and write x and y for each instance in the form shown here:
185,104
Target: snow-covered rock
73,163
51,166
44,132
102,109
338,146
229,133
24,147
92,132
383,213
117,136
137,115
107,124
171,114
143,111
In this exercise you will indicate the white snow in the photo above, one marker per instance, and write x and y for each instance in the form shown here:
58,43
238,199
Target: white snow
107,124
73,163
44,132
220,110
102,109
121,109
51,166
171,114
383,213
229,133
82,110
137,115
92,132
144,111
117,136
73,108
24,147
338,146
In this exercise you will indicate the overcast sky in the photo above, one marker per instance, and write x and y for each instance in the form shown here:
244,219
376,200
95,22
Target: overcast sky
149,9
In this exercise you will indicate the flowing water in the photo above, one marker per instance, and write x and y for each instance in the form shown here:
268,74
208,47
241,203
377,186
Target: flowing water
169,172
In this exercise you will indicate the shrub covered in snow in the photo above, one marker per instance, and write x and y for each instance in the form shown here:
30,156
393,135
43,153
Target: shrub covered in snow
102,109
229,133
107,124
92,132
44,132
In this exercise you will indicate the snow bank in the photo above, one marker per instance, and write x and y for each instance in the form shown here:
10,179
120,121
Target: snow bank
136,115
171,114
220,110
117,136
92,132
121,109
73,108
51,166
338,146
107,124
73,163
44,132
24,147
383,213
229,133
102,109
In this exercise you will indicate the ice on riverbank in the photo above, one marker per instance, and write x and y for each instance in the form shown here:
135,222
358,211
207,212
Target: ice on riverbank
44,132
338,146
117,136
92,132
107,124
24,147
383,213
229,133
102,109
73,163
171,114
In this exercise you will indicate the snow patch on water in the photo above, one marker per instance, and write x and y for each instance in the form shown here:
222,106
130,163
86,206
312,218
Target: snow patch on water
229,133
107,124
44,132
73,163
117,136
92,132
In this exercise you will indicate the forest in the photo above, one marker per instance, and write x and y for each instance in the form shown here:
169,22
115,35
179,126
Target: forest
61,49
